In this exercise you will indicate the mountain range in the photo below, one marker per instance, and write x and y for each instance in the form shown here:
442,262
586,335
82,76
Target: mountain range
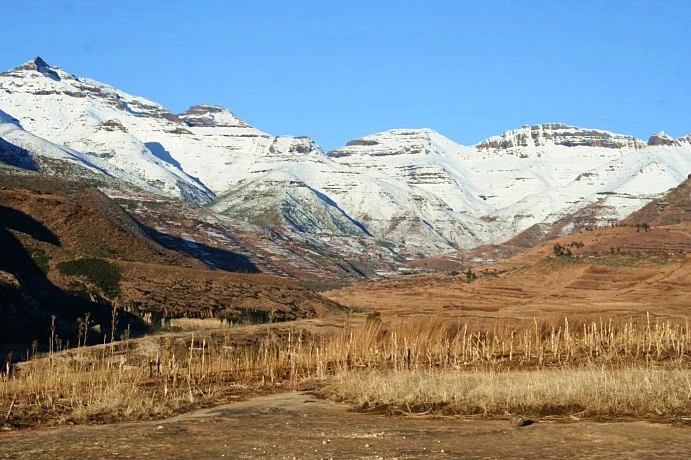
359,210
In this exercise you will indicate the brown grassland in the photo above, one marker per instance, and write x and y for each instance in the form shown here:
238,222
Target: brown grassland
603,333
572,368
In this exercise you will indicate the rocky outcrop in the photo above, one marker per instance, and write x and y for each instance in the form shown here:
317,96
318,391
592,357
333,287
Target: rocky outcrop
662,138
210,116
550,134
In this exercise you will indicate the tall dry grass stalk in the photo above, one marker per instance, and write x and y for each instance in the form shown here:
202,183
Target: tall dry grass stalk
126,380
442,343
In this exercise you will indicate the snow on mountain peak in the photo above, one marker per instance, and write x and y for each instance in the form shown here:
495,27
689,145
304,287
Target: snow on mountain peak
396,142
551,134
43,67
211,116
37,65
414,186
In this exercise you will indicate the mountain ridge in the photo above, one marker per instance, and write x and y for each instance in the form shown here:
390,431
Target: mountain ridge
415,188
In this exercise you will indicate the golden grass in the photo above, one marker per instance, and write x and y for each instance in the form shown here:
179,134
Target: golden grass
590,365
582,391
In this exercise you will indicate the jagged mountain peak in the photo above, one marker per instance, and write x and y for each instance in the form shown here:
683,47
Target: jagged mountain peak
61,83
551,134
39,65
662,138
211,116
412,186
295,145
685,139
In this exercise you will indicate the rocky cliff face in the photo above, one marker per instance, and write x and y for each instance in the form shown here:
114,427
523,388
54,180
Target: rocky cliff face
210,116
535,175
556,134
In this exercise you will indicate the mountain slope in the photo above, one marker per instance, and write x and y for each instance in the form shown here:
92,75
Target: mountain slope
673,208
83,117
620,270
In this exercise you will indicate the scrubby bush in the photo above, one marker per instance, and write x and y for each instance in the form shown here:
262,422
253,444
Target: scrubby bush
562,251
374,317
105,275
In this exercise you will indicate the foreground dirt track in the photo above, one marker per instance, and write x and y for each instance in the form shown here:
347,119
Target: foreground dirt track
296,425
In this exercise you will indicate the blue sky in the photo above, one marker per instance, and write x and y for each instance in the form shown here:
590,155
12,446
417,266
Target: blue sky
337,70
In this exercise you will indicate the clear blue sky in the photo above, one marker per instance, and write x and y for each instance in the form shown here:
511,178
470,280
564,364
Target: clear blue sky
337,70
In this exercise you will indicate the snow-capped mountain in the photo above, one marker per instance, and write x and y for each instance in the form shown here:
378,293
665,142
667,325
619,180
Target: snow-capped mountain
413,189
505,184
83,116
205,147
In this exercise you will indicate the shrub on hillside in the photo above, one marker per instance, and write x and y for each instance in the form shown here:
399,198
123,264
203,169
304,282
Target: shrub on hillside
105,275
562,251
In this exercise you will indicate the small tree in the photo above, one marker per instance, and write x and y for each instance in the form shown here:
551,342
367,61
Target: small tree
562,251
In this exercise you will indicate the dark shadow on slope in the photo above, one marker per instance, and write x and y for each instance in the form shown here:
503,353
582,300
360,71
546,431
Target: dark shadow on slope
217,258
162,154
11,219
89,164
43,67
16,156
28,299
333,204
7,118
126,107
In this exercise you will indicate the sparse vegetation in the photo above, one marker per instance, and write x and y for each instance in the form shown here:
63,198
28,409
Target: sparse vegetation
615,257
580,392
644,226
561,251
374,317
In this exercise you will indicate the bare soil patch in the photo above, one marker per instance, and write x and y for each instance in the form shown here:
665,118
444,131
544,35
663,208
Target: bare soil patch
297,425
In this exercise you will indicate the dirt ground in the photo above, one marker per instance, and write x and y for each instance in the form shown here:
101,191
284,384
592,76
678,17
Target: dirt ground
299,426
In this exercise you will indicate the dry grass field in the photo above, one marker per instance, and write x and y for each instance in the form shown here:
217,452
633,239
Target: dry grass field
577,367
616,271
600,333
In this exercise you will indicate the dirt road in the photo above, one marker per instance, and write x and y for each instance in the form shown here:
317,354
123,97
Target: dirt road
296,425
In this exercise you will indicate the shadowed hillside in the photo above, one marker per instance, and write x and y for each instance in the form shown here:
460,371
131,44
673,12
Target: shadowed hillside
30,304
66,249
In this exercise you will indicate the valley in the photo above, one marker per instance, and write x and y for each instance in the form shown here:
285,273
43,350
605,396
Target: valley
162,272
